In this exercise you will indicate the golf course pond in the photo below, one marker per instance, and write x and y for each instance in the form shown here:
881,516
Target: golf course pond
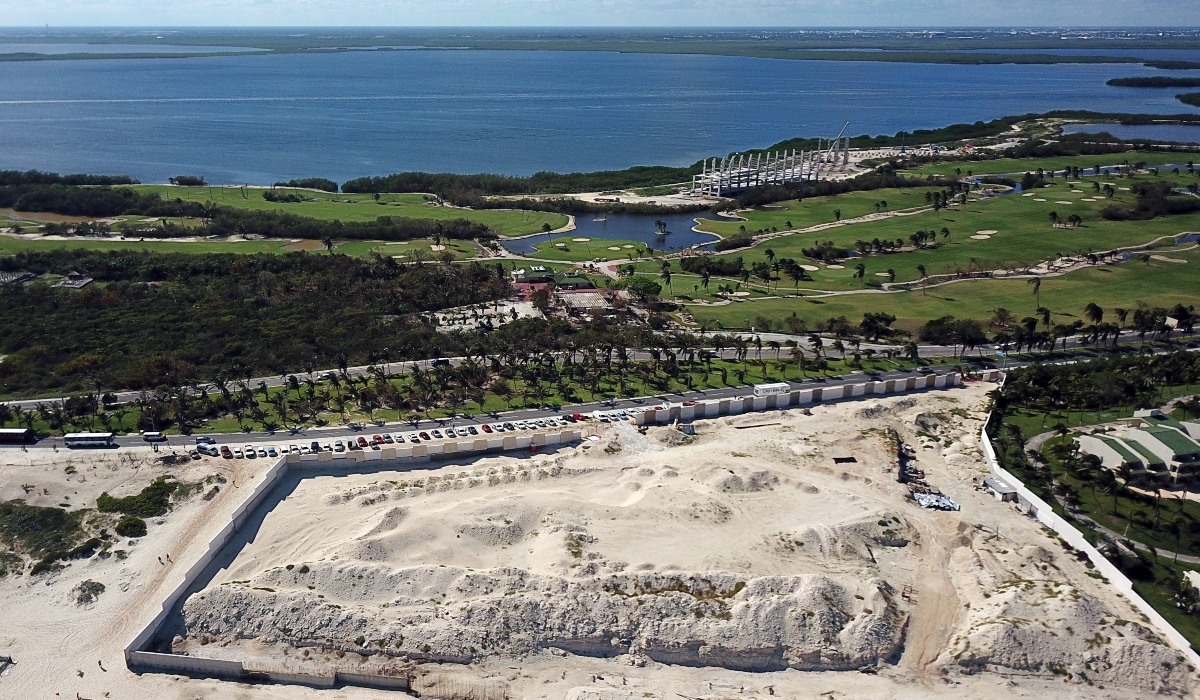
642,228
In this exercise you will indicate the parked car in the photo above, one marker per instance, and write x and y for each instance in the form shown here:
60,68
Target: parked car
387,437
398,437
414,438
338,446
262,452
377,439
327,447
471,429
362,441
691,403
249,451
294,449
194,454
315,446
237,452
437,433
487,428
226,452
425,435
271,452
509,426
451,432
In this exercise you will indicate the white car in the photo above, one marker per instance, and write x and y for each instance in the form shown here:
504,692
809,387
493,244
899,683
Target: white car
237,452
414,438
398,437
339,446
262,452
294,449
327,447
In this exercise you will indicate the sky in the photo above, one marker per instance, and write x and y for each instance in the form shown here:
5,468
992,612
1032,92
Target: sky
689,13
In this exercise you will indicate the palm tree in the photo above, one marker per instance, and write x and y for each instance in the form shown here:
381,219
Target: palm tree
860,270
1045,314
891,275
837,214
921,272
1094,313
1037,289
770,254
328,244
1053,218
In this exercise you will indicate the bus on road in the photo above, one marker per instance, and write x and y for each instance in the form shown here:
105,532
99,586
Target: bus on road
772,389
15,436
76,440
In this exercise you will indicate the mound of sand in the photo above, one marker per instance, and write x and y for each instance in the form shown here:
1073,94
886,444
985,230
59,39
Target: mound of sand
712,618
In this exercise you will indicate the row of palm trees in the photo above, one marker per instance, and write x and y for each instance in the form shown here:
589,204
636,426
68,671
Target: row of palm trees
494,369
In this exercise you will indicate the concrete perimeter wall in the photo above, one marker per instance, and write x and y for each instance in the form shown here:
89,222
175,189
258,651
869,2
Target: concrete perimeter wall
138,659
1043,513
712,408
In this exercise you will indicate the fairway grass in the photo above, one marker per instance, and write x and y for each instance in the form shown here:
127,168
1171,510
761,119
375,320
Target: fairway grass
361,207
1021,232
1158,283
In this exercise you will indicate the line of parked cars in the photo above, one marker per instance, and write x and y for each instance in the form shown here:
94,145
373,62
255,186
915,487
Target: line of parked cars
208,446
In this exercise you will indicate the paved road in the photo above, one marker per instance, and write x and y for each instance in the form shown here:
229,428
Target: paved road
304,437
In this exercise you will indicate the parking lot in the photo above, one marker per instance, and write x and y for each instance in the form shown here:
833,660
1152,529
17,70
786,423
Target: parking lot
377,441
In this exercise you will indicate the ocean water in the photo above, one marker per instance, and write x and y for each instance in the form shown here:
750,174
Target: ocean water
258,119
53,49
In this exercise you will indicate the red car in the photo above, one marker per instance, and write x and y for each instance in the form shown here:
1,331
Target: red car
226,453
487,428
690,403
362,441
378,439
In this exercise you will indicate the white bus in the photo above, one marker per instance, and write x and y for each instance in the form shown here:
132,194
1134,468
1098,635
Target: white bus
74,440
771,389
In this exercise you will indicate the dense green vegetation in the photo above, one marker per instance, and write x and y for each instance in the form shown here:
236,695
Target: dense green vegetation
151,319
1154,81
153,500
10,178
1191,98
467,190
312,183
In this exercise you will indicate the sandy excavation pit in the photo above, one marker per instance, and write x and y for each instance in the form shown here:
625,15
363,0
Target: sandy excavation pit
746,558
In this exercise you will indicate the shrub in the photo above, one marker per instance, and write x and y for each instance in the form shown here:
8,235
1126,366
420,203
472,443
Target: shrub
155,499
740,240
131,526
